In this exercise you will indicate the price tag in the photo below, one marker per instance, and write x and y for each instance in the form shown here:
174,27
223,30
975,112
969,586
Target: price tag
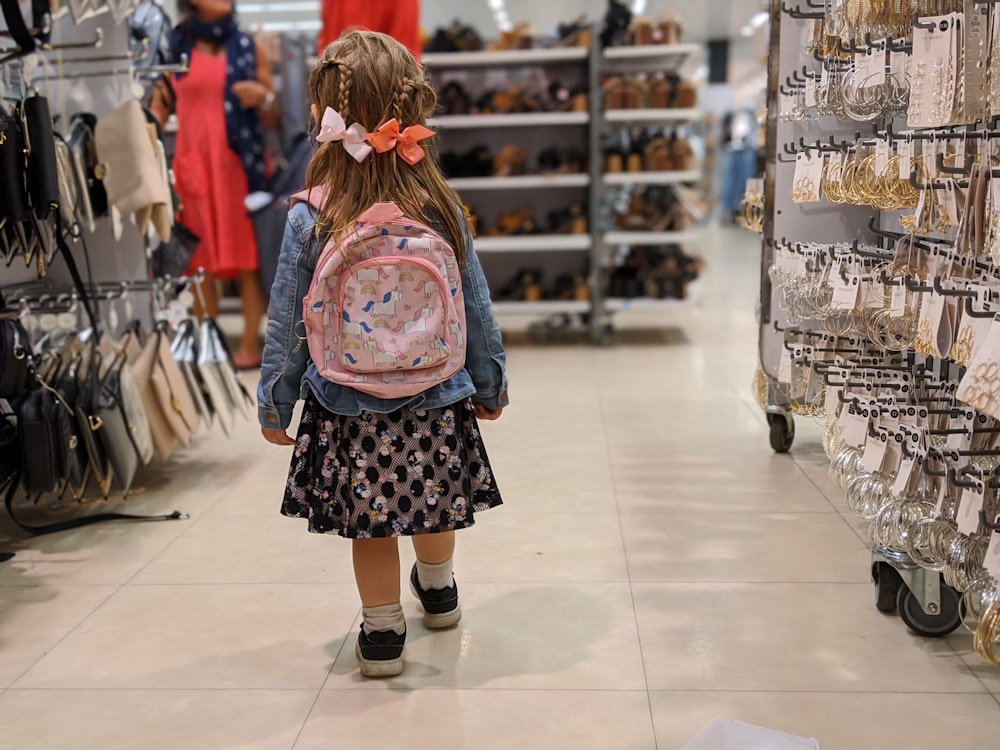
992,560
855,428
906,467
882,153
875,446
898,300
832,401
810,92
893,454
845,293
968,510
785,366
905,151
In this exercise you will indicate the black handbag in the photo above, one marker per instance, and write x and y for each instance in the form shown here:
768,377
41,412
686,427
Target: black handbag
14,206
173,258
15,353
40,469
43,175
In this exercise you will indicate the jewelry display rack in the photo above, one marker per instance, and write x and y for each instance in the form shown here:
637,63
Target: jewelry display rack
586,254
878,273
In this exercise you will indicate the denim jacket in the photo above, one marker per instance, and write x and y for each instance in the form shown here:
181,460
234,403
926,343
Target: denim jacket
288,374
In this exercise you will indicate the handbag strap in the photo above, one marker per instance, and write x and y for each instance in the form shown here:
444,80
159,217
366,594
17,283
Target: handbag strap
17,26
75,523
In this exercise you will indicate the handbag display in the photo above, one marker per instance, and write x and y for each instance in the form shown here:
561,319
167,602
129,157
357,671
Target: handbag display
228,395
171,259
131,166
93,200
15,350
41,443
14,206
185,351
69,189
126,433
169,405
43,175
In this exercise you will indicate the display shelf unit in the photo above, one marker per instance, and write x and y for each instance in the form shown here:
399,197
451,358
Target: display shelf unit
546,307
639,304
557,253
535,243
652,178
665,54
552,254
513,120
616,238
521,182
505,58
653,116
678,59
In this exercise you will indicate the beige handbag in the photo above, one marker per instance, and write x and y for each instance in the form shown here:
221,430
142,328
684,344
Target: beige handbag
130,167
172,414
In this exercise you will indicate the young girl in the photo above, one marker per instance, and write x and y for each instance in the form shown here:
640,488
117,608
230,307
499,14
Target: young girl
366,468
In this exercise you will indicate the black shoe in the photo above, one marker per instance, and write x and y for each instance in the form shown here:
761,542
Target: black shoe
380,653
441,608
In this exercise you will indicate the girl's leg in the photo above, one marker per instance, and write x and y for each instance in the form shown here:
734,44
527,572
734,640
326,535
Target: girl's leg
376,570
254,309
383,626
434,549
432,579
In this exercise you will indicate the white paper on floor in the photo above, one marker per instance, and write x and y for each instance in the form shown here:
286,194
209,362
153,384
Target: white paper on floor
729,734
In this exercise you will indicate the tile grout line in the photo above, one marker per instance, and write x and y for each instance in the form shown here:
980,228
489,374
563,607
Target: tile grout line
67,634
621,533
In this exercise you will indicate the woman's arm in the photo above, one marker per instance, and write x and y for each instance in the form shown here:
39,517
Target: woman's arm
260,94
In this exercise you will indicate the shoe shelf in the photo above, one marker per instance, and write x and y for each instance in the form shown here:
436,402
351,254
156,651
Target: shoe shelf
545,307
534,243
652,178
647,238
513,120
515,57
638,304
652,116
668,57
521,182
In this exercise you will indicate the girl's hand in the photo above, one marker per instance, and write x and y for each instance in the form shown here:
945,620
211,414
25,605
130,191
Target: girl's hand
483,412
277,437
252,94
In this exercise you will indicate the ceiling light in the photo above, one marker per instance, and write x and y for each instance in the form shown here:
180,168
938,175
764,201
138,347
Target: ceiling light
760,19
638,6
747,31
495,4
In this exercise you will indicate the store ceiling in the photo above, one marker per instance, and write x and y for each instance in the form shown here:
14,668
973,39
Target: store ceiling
703,19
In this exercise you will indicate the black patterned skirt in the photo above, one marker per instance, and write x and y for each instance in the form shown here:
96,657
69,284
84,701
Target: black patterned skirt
383,475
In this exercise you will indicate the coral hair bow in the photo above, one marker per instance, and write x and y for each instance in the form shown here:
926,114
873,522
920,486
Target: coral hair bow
333,128
388,136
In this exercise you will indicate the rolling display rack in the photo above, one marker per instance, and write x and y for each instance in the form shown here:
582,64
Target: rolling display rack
880,276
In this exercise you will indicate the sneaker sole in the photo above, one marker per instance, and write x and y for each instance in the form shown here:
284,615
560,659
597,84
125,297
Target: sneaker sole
441,621
390,668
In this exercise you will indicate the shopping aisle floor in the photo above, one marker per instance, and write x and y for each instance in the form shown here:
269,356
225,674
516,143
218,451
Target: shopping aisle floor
654,566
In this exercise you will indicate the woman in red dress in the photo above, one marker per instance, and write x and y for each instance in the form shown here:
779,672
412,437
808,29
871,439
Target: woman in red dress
219,156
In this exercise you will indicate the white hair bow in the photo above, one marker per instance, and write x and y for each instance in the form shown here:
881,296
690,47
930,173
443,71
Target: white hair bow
333,128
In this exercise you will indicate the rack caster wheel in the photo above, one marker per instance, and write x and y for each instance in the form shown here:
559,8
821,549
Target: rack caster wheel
930,625
888,582
782,432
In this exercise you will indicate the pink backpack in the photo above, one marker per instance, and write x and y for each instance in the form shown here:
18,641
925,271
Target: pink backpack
385,312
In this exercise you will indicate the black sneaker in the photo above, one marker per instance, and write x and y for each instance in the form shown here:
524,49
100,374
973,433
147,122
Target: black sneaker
380,653
441,608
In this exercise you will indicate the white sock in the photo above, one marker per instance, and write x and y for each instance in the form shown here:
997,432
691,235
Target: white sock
436,576
386,617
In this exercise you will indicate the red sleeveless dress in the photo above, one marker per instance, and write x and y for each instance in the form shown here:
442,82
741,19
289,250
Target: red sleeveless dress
210,178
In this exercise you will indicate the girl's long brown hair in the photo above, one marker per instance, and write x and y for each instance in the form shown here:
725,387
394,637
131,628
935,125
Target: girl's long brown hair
370,78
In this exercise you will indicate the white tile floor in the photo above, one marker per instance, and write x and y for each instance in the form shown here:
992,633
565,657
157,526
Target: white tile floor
654,566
